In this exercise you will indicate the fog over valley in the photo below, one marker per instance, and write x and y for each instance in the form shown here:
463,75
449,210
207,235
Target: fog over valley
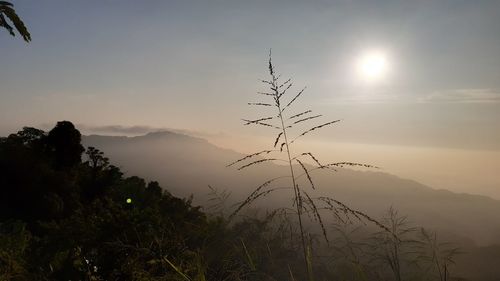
264,140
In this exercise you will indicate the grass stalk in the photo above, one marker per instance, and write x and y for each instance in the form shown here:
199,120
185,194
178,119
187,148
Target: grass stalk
295,186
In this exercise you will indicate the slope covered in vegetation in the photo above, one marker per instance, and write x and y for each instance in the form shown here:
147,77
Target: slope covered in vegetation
66,213
67,219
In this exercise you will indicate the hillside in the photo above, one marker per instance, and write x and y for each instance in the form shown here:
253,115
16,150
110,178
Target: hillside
68,213
187,165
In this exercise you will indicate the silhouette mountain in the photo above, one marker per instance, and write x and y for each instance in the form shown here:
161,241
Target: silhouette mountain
186,165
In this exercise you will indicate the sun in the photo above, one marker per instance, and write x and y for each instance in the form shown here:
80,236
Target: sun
372,65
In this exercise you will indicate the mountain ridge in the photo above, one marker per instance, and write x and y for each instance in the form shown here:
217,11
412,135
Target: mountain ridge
186,165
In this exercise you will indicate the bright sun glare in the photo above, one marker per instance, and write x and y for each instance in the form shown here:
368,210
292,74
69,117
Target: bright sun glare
372,65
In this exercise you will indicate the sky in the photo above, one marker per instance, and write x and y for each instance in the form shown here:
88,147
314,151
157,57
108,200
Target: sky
126,66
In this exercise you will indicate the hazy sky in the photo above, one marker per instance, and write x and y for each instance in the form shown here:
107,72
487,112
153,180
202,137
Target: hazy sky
195,64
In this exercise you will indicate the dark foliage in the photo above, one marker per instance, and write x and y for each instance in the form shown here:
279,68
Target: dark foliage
62,218
9,17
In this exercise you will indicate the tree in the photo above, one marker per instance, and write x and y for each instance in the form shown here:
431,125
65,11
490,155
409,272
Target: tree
7,12
63,142
96,159
14,242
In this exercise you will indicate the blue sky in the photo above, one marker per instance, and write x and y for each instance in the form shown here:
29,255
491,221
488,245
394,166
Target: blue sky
194,65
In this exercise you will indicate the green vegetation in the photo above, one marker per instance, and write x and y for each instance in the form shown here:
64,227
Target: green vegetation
7,13
67,219
64,218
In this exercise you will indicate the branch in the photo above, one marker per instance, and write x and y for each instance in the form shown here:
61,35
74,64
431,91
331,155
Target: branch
300,93
256,162
342,164
307,118
315,128
256,122
250,156
302,113
307,173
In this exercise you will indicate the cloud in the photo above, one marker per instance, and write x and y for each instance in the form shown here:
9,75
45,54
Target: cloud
365,97
120,130
464,96
137,130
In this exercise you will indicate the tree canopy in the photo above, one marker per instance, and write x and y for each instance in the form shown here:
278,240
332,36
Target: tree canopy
12,22
70,215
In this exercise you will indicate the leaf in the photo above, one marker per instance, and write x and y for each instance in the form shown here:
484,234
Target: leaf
184,276
10,13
